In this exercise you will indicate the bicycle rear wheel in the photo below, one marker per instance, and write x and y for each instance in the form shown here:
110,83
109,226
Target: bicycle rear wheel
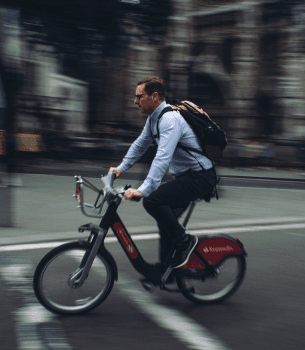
215,289
52,280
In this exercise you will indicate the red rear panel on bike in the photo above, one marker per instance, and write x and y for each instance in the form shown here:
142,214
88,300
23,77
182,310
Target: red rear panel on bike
213,250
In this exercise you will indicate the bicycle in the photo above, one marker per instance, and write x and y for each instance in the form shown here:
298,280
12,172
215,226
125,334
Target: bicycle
77,277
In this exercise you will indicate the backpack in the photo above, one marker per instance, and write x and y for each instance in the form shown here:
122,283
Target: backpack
211,138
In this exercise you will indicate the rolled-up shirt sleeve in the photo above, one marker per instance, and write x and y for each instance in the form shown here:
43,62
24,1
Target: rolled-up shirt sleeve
170,134
137,149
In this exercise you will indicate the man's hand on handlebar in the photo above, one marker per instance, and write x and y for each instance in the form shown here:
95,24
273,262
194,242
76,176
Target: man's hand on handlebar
117,171
133,194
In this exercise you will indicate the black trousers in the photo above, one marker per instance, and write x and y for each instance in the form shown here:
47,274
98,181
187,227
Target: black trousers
171,199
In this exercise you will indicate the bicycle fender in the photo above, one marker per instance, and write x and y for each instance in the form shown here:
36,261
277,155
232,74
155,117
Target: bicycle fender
213,249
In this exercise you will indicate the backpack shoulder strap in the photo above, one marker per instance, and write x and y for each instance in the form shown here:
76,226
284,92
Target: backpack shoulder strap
194,108
165,110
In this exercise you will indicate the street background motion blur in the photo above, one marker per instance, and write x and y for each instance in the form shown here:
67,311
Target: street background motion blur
68,72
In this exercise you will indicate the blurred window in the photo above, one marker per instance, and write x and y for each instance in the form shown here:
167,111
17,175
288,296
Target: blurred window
203,90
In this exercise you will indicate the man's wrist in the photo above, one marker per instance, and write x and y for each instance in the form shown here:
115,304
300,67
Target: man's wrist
121,168
142,193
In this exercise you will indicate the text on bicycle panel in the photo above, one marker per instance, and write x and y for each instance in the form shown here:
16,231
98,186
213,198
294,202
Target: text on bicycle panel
122,235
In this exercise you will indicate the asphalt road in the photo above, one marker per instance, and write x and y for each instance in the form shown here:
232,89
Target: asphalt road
267,312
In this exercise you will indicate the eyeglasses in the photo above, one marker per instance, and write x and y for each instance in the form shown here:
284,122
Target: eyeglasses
138,97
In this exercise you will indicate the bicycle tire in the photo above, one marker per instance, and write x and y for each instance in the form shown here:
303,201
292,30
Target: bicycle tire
215,289
52,275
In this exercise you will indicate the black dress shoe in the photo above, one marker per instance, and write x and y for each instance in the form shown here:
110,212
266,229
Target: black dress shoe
183,252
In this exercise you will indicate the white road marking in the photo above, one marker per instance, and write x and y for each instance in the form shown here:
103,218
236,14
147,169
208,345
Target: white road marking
36,328
183,328
251,229
149,236
146,230
33,313
180,326
255,221
10,248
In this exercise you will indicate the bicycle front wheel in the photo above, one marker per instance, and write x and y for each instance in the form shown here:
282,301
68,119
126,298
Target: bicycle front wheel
215,289
53,275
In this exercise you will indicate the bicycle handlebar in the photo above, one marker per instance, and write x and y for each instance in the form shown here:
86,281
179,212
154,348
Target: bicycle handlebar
106,194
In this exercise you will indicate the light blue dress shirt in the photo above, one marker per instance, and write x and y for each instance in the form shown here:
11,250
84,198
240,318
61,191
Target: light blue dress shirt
172,129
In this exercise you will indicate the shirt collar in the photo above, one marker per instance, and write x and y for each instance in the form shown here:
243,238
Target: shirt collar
155,114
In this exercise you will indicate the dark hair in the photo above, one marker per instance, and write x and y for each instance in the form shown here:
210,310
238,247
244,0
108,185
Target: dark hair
153,84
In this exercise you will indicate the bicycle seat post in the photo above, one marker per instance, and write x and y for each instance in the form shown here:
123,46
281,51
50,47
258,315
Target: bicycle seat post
189,213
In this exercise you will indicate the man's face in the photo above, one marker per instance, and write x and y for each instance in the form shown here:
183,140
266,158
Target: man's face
145,102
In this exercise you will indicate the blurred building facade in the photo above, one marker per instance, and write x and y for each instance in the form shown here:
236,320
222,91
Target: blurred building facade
244,60
241,61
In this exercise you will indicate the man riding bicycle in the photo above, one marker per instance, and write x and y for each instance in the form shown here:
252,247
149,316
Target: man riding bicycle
195,175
